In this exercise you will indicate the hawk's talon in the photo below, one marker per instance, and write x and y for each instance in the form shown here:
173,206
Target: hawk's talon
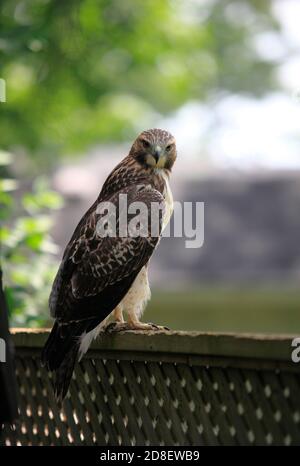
110,328
114,327
158,327
155,326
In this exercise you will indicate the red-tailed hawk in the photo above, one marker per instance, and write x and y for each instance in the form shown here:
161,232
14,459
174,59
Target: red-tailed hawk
100,275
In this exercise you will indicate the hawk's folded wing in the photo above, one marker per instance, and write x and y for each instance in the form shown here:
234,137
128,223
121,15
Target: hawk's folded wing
96,272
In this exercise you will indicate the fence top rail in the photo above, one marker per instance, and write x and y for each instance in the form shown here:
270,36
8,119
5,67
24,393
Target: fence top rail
254,346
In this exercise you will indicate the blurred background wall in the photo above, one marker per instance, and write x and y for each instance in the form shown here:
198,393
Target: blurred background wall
83,78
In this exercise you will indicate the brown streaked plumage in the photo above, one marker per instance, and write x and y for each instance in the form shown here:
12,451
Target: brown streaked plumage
99,276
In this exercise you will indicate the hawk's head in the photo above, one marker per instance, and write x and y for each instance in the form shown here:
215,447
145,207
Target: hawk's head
155,148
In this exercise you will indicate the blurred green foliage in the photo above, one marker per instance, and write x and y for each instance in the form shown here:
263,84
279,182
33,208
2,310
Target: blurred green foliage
26,251
80,72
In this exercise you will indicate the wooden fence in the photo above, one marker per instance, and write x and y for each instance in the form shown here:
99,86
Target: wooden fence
172,388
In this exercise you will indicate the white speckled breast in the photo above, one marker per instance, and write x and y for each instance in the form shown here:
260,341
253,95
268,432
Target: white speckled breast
168,198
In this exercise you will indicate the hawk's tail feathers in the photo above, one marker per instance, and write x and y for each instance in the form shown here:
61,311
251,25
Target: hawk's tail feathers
64,373
60,352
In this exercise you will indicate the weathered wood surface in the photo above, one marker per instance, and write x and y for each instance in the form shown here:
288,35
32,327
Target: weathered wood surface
254,346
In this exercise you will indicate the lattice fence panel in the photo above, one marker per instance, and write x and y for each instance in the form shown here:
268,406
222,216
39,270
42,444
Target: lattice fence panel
148,402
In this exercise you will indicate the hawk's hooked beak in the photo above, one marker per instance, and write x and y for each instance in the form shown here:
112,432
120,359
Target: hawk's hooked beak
157,152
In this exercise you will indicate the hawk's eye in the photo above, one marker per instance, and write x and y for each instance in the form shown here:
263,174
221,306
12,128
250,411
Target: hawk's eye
168,148
146,143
